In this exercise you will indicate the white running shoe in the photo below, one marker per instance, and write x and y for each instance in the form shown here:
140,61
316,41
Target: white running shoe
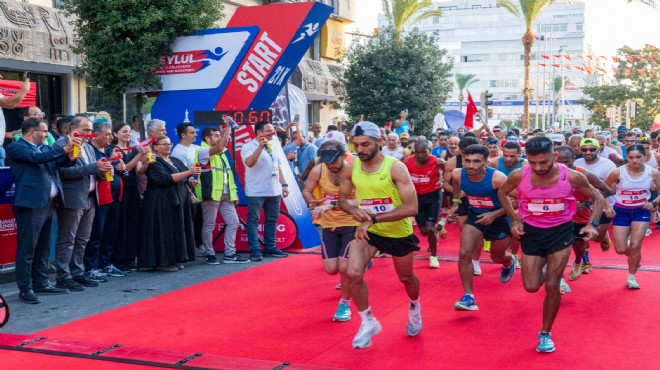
477,267
414,325
563,287
368,329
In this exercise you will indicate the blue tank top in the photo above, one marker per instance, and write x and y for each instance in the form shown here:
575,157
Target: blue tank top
502,168
482,197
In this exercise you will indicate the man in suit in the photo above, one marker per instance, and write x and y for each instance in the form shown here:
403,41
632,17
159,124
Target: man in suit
38,187
76,215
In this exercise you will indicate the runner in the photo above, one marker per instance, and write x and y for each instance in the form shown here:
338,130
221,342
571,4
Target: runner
582,215
601,167
485,219
338,227
511,159
425,172
546,208
633,182
386,199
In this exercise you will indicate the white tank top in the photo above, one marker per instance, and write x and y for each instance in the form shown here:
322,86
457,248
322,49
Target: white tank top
633,192
396,153
653,163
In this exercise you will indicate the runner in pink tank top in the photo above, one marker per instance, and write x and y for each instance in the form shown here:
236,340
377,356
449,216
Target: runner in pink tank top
546,206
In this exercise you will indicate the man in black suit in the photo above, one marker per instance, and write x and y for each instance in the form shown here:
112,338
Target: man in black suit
76,216
38,186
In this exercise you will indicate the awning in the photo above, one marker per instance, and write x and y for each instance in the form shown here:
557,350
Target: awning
316,79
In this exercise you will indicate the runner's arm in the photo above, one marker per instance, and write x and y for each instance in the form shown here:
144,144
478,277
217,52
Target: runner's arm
312,180
580,183
511,184
611,180
447,174
598,184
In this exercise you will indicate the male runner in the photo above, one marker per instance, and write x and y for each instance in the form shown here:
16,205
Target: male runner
338,226
386,201
425,172
546,206
485,219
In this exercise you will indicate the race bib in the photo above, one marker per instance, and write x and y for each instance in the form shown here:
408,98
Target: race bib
377,206
546,207
481,202
420,179
331,200
633,197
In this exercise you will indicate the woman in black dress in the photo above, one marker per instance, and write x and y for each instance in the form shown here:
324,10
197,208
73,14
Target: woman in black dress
167,228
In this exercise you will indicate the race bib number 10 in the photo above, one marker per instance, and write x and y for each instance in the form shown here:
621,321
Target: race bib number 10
546,207
377,206
633,197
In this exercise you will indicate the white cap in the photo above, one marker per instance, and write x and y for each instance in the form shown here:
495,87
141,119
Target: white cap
337,136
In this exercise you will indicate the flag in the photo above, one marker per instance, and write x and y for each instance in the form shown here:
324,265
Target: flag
628,71
615,59
616,70
545,56
568,57
470,112
640,57
630,58
556,65
542,64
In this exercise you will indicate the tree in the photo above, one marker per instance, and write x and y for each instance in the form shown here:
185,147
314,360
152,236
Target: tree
380,77
400,12
121,41
602,97
527,11
558,85
462,82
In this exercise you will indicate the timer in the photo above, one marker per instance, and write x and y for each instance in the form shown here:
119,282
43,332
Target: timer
241,117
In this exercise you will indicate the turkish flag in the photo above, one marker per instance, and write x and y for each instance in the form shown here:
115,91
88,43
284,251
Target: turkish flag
10,87
469,114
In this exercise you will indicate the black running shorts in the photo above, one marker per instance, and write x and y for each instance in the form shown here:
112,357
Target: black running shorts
541,242
397,247
428,208
335,241
499,229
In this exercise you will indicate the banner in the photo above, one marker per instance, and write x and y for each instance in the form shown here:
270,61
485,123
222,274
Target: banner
11,87
8,230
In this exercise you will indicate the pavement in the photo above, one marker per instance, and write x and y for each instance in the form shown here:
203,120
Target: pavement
118,291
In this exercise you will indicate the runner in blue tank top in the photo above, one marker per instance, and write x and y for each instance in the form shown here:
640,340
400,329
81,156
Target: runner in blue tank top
485,219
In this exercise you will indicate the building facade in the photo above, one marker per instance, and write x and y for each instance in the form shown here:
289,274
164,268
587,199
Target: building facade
485,40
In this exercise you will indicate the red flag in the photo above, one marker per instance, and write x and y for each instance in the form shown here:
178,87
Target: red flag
640,57
568,57
579,68
616,70
590,57
615,59
601,69
568,67
545,56
628,71
557,55
649,46
630,58
556,65
542,64
650,56
11,87
469,114
641,71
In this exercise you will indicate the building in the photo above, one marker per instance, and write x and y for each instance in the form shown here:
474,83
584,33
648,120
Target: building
316,72
485,40
36,38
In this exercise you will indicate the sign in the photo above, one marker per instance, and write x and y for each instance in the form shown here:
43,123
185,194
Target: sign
332,40
10,87
8,230
241,117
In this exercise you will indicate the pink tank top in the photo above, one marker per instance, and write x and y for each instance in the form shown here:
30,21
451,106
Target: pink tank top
548,206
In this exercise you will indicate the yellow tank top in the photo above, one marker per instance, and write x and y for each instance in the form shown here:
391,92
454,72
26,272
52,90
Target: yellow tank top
377,193
330,193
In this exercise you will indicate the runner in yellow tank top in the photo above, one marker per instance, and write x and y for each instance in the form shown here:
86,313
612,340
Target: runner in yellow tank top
338,226
386,201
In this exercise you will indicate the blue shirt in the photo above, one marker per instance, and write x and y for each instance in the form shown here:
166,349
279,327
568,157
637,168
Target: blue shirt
437,151
306,154
481,192
403,127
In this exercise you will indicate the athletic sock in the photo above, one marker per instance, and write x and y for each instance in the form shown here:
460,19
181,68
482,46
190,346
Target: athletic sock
414,305
631,276
366,314
345,301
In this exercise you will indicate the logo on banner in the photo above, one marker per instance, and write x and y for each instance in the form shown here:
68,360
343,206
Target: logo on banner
309,30
188,62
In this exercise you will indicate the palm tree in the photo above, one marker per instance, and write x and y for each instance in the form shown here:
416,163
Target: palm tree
462,82
400,12
651,3
526,10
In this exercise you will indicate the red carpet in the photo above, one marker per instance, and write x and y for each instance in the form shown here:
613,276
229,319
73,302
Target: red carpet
281,312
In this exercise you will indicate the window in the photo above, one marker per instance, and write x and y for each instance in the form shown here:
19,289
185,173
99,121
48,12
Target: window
579,26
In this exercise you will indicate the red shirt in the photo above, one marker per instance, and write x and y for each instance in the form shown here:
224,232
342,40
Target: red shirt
583,216
425,178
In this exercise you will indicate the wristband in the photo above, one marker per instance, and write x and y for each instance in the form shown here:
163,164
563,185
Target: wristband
655,204
458,201
595,223
373,219
285,185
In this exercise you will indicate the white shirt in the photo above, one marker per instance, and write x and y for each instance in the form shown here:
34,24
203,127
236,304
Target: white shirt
396,153
601,169
606,153
185,153
262,179
135,137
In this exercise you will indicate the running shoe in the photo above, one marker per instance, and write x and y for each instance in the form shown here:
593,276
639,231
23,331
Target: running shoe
546,344
477,268
369,265
576,271
516,262
414,325
368,329
343,312
111,270
96,275
586,267
433,262
466,303
507,273
606,243
648,232
563,287
338,287
486,245
632,283
234,258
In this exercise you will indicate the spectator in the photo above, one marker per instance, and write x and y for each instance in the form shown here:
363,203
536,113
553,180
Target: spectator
315,132
443,144
32,112
393,149
185,150
98,254
402,126
62,125
9,102
128,238
38,186
137,133
264,184
76,216
217,191
306,153
168,239
320,140
53,129
629,138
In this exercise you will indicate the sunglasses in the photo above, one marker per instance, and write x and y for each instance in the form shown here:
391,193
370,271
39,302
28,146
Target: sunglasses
588,150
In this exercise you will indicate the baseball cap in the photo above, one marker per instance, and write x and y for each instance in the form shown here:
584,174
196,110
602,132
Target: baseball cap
404,135
621,128
637,130
335,135
590,141
556,137
366,128
493,140
329,156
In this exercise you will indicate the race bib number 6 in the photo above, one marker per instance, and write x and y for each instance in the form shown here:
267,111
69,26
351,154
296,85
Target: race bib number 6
377,206
546,207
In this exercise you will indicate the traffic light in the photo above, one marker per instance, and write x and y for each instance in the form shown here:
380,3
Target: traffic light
485,99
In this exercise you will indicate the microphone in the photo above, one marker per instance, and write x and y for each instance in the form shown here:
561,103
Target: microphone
267,145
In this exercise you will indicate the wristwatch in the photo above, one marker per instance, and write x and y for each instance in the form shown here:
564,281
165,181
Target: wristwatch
373,220
595,223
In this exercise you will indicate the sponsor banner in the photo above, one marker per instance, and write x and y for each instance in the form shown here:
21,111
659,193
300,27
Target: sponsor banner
10,87
285,231
8,229
512,103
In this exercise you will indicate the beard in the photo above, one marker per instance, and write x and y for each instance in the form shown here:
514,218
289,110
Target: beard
366,157
542,173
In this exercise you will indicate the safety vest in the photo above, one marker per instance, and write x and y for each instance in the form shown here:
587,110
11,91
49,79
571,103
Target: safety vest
212,180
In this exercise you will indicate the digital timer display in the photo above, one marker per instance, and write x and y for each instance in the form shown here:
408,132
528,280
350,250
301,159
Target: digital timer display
241,117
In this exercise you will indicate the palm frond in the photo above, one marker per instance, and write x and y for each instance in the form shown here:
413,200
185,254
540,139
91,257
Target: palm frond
510,6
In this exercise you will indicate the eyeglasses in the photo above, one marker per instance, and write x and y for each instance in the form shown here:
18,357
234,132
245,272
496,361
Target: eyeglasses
40,114
46,131
630,141
556,143
165,144
588,150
